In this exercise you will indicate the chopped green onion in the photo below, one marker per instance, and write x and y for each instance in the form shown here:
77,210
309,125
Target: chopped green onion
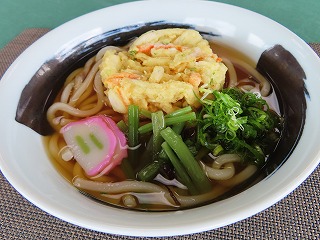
235,121
217,150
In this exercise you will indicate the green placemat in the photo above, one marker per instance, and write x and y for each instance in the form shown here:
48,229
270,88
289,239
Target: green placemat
294,217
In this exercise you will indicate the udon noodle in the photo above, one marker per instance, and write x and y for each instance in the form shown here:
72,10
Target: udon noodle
83,96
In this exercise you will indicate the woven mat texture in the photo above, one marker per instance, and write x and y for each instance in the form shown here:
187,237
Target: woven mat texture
294,217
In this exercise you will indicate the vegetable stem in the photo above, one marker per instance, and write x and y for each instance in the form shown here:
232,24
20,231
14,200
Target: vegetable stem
150,171
133,135
145,113
133,125
179,112
123,127
193,168
158,124
169,121
180,170
178,127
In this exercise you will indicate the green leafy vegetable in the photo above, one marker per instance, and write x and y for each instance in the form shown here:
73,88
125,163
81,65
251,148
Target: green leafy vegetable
158,124
187,160
133,125
180,169
149,172
169,121
237,122
133,139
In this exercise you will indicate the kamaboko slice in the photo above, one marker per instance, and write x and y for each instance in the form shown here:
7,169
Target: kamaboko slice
121,150
93,144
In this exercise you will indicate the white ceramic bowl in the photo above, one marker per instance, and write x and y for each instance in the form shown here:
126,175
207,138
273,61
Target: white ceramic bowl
24,163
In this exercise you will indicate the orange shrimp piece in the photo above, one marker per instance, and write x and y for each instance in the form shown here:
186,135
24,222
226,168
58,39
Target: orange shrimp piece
167,46
146,48
195,79
115,78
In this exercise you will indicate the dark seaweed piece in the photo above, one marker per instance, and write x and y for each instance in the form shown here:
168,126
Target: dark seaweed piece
44,86
287,77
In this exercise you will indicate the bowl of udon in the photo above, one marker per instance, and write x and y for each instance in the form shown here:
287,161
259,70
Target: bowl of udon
143,120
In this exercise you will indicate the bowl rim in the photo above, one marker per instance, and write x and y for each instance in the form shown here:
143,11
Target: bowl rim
61,36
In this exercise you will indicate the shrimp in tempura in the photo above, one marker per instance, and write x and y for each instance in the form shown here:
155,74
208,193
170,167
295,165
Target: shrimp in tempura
161,70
